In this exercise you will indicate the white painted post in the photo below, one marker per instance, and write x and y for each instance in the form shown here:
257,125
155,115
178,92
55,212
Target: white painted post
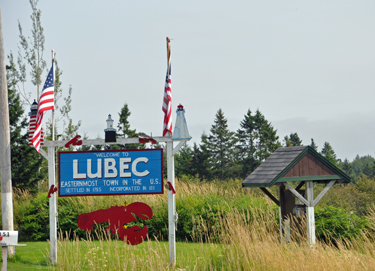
310,213
4,255
280,215
5,161
52,205
51,181
287,230
171,205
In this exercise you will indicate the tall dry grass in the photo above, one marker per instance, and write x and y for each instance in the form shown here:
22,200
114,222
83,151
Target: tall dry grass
257,247
185,188
243,244
247,240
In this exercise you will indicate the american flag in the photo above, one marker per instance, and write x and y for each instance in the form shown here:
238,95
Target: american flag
167,103
46,102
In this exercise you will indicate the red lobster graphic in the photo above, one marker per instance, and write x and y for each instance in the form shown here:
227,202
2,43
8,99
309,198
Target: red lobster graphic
117,217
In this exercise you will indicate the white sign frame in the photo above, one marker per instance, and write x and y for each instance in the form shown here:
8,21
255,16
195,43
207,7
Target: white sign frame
172,215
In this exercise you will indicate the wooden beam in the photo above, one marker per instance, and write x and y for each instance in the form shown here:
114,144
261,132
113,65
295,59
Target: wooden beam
281,211
178,147
324,191
44,153
300,185
298,195
310,214
270,195
122,141
309,178
52,206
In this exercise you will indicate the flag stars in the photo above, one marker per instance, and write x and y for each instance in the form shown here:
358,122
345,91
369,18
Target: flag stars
49,81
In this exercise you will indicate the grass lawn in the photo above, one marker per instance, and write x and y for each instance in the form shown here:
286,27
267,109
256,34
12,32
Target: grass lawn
32,257
36,255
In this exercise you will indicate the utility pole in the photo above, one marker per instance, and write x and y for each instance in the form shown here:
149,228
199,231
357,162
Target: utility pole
5,166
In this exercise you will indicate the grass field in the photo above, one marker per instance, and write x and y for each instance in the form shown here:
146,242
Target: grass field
241,246
243,239
93,255
31,257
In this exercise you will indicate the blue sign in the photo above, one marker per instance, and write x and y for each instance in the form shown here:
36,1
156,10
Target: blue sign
122,172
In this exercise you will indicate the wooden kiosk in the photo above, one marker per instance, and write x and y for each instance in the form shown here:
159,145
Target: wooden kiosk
303,166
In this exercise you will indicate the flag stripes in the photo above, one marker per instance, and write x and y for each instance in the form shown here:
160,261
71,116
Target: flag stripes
167,104
46,102
32,130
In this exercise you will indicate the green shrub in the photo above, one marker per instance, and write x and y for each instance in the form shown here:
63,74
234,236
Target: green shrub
195,210
68,211
34,224
201,207
158,224
335,224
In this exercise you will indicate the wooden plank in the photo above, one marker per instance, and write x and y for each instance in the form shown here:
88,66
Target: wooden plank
315,166
280,191
298,195
179,145
310,214
172,215
300,185
309,165
52,206
309,178
88,142
270,195
305,165
324,191
44,153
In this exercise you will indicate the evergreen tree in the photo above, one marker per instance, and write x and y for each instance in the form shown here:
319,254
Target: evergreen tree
28,167
123,128
201,159
329,153
184,161
313,145
292,140
257,140
287,142
124,131
369,170
221,147
347,167
360,163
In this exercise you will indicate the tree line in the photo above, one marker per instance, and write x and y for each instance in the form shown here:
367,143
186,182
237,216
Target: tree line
224,154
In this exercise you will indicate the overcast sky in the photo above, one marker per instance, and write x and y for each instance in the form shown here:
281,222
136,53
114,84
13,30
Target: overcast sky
309,66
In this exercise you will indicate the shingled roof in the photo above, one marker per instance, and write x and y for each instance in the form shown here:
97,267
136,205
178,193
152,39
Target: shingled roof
300,163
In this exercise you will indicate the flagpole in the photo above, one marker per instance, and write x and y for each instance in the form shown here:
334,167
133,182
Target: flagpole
51,182
168,54
171,180
53,110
